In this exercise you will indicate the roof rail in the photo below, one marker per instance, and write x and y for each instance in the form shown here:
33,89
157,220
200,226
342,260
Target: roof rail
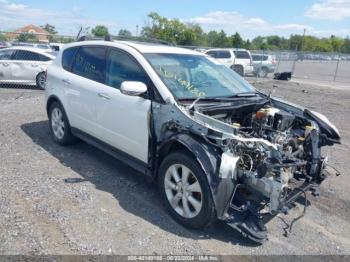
126,38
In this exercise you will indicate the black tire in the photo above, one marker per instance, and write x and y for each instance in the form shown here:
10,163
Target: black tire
207,214
67,137
238,69
262,72
40,80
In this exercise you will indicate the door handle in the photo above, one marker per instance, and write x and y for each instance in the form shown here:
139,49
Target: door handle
66,81
104,95
35,65
5,64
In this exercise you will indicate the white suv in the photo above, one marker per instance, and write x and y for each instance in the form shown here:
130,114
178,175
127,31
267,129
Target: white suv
240,60
218,148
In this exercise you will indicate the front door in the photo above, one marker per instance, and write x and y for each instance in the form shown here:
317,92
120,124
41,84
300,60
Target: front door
123,119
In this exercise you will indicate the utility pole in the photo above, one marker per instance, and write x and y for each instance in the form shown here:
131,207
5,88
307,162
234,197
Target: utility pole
299,54
137,30
302,40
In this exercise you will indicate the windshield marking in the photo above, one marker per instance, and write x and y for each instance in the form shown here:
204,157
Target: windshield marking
186,84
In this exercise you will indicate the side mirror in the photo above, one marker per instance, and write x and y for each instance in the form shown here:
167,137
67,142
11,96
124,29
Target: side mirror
133,88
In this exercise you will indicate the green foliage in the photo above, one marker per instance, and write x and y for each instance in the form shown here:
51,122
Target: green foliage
49,28
3,37
124,33
99,31
27,38
177,32
237,41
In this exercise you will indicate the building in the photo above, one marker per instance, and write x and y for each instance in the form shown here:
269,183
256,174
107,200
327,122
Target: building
41,34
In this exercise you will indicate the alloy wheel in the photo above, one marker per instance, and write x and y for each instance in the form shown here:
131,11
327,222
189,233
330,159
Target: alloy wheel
183,191
57,123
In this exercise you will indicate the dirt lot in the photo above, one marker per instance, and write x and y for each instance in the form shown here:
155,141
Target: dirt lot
78,200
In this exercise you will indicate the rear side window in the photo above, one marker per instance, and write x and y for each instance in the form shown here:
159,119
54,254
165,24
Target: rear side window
223,54
259,57
89,62
242,55
67,58
122,67
6,54
26,56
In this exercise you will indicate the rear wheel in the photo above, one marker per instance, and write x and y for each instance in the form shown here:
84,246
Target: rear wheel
185,191
41,80
59,125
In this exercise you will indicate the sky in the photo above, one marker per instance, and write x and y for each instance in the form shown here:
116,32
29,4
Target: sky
249,18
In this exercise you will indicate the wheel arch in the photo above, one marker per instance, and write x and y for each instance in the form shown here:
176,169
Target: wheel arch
209,159
50,101
197,147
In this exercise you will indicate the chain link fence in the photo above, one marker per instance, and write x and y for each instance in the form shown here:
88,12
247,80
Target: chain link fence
309,65
25,68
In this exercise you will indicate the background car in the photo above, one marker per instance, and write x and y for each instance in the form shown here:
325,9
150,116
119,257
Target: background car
263,64
239,60
42,46
56,46
4,44
24,65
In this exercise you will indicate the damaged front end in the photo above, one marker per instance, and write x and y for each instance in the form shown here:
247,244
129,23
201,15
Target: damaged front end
259,154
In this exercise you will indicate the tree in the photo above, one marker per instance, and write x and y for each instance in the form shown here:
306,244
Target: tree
3,37
100,31
124,33
27,38
346,46
49,28
237,41
177,32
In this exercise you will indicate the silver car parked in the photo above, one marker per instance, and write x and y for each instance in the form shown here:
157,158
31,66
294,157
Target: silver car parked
24,65
263,64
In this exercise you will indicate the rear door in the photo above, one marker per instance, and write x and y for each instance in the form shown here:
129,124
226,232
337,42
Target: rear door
5,65
82,83
123,119
26,65
222,56
243,58
225,57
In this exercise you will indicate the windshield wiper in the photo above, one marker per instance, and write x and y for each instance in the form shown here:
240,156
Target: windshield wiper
220,99
243,94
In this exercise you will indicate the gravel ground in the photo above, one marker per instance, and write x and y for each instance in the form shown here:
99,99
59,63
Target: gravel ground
78,200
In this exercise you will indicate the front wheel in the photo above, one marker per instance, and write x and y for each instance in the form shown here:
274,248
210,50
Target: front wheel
185,191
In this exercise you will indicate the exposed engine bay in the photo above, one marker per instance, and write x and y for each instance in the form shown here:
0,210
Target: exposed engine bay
260,154
272,152
269,169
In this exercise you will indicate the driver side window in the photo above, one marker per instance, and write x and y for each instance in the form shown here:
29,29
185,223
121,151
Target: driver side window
121,67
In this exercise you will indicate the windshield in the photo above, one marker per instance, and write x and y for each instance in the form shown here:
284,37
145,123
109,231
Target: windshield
194,76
